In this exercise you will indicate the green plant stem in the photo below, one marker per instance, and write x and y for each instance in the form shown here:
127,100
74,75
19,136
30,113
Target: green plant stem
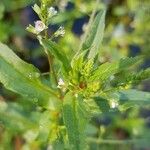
49,56
109,141
45,73
52,72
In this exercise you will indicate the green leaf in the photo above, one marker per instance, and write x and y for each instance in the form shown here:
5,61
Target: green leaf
136,78
22,78
95,36
134,96
106,70
75,122
2,9
55,50
5,29
31,29
14,117
102,104
47,127
132,78
37,9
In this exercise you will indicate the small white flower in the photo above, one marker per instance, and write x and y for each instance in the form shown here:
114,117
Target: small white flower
114,104
52,11
40,26
60,32
60,83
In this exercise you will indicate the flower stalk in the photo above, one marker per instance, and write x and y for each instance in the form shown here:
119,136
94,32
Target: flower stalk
41,31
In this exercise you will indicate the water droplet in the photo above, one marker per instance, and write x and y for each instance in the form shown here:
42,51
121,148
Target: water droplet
35,100
30,75
37,75
33,75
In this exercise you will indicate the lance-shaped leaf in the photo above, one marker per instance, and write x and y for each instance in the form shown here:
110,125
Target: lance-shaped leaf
133,78
22,78
133,96
95,35
106,70
75,122
55,50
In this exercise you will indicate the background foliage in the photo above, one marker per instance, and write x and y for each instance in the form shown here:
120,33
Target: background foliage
23,126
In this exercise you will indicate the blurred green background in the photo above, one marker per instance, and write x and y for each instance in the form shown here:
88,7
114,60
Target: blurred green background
127,33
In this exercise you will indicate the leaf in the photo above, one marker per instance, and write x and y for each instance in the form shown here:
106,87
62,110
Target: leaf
2,10
134,96
75,122
102,104
31,29
54,49
22,78
48,128
78,60
136,78
95,36
14,117
132,78
106,70
37,9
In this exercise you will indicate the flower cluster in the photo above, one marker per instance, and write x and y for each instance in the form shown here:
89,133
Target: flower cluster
42,24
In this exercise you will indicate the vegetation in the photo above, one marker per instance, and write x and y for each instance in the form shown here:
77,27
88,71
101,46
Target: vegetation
90,92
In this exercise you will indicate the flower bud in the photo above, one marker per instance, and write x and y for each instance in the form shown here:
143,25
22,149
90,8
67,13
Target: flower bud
60,32
60,83
52,12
